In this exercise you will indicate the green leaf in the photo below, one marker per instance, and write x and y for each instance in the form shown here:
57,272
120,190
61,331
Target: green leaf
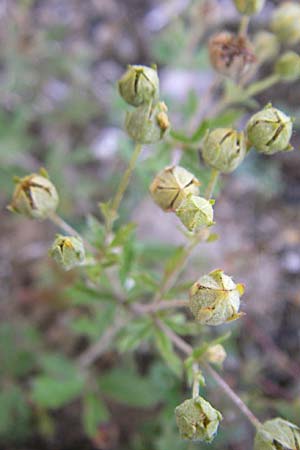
165,348
80,294
146,280
95,412
180,324
135,333
191,105
57,365
123,235
174,260
261,85
17,351
213,237
200,131
85,326
127,260
15,414
95,325
226,119
55,392
129,388
60,382
96,231
107,212
180,136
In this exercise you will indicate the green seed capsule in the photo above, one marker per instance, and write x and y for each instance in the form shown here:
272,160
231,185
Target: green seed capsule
270,131
139,85
34,196
171,186
249,7
148,124
195,212
224,149
286,23
215,299
288,66
277,434
197,420
68,251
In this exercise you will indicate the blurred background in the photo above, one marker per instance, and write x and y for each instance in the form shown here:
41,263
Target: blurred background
59,108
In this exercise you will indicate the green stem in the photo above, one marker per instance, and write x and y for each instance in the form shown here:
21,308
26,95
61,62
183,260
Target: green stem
124,184
214,175
58,221
261,85
172,276
196,384
244,26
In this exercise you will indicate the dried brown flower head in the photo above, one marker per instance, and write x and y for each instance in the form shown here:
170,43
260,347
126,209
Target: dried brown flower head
231,55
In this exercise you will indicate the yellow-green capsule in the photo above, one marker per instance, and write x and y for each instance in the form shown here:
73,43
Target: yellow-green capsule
224,149
34,196
148,124
288,66
171,186
215,299
285,22
270,131
216,354
139,85
249,7
196,212
277,434
68,251
197,420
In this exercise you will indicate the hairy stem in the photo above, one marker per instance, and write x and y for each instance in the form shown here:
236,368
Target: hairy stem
124,183
187,349
214,175
57,220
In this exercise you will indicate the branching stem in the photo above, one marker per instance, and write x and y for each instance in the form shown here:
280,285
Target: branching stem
98,348
187,349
